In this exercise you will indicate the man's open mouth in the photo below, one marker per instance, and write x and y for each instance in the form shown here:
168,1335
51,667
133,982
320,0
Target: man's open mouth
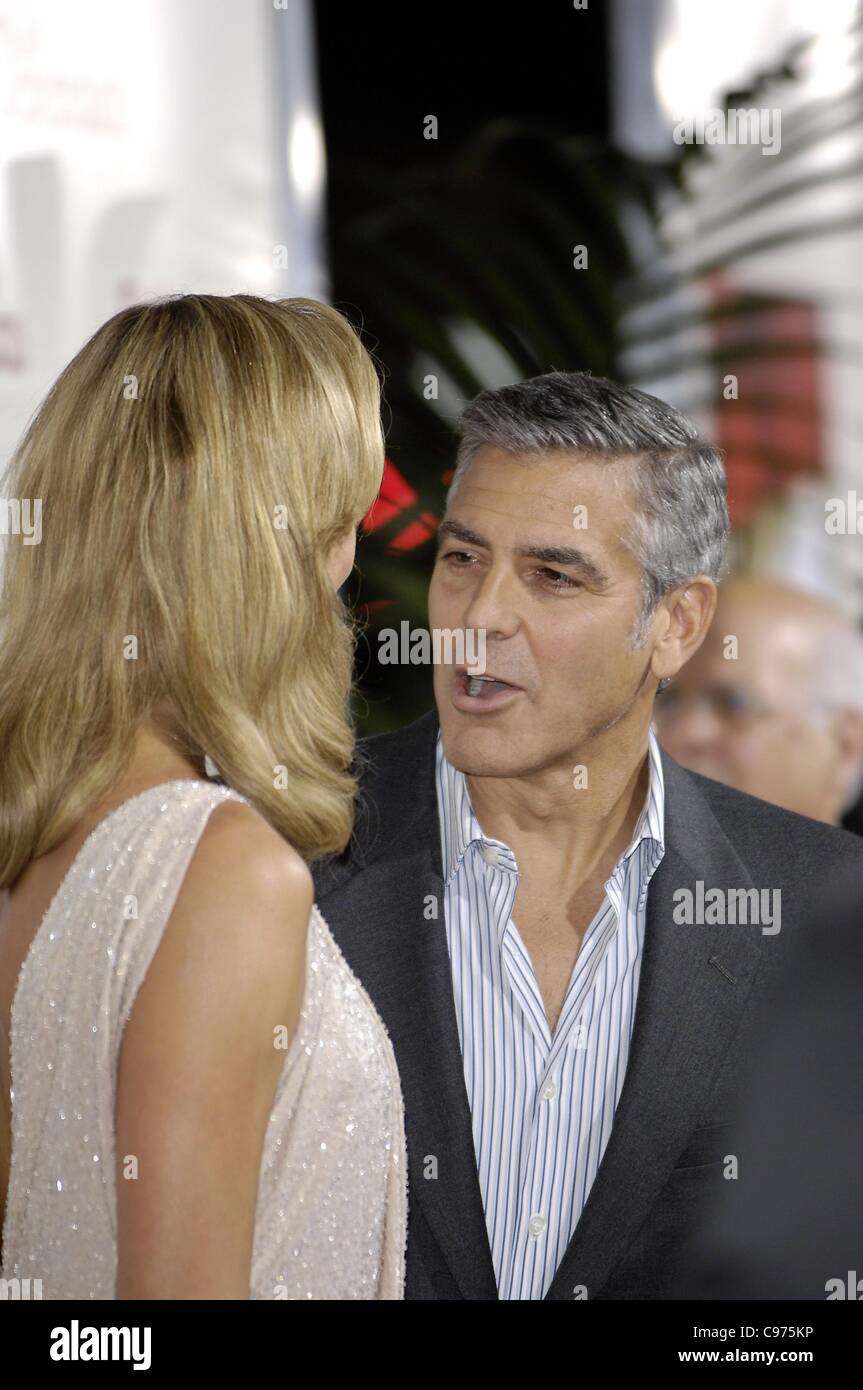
483,687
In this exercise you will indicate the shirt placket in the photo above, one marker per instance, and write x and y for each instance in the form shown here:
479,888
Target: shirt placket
537,1198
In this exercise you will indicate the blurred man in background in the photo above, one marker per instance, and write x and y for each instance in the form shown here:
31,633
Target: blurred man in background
772,703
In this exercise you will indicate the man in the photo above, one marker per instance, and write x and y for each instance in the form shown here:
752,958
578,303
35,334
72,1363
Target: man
526,899
772,703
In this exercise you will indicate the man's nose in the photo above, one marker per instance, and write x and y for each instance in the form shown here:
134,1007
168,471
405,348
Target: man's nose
492,605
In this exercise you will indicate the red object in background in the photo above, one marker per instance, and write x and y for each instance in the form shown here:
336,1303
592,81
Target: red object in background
415,533
376,606
773,431
396,496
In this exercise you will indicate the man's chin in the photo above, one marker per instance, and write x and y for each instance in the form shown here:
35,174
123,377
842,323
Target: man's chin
478,749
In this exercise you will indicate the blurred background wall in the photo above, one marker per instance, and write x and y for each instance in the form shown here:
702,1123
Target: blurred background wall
147,149
489,193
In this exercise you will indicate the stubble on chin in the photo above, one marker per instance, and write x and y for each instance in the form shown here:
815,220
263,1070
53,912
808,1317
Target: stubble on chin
493,754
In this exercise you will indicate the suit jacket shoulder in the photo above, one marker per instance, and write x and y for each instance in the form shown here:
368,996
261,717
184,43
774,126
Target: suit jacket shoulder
767,837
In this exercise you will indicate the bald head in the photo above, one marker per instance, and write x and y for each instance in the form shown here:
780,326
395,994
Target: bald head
772,703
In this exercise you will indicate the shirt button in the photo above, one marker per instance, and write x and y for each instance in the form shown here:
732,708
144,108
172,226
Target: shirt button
549,1090
536,1225
490,854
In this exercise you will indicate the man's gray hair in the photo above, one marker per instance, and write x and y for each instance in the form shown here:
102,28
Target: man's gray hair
681,515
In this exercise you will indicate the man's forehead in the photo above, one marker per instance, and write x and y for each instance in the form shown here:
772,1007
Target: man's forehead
562,501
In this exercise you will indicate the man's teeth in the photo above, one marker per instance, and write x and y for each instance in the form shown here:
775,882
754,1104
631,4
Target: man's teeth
475,683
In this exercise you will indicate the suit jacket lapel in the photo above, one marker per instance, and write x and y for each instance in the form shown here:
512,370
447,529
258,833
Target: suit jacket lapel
388,920
693,986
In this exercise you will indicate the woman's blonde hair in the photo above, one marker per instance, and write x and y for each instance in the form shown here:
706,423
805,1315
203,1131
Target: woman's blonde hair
195,463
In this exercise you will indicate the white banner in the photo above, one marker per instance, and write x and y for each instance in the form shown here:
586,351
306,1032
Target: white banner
147,148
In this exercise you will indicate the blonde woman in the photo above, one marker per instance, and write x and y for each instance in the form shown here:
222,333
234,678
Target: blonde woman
204,1102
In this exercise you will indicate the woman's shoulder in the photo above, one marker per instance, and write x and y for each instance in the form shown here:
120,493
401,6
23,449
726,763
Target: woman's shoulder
243,868
236,827
233,946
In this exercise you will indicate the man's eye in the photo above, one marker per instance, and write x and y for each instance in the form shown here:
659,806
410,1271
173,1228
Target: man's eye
557,580
730,702
553,579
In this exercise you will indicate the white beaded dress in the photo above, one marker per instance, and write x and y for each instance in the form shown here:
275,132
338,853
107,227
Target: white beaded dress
331,1213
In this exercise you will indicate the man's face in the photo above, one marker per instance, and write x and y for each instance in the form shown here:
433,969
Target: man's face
744,720
558,604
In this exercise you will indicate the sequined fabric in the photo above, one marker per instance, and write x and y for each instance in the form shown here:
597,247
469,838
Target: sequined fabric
332,1198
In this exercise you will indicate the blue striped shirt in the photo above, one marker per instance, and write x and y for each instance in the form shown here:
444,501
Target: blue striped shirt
542,1107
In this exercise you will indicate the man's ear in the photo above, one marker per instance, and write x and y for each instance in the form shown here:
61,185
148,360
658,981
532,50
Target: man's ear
685,616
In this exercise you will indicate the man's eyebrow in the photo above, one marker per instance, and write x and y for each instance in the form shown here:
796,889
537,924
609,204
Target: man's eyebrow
565,555
548,554
458,532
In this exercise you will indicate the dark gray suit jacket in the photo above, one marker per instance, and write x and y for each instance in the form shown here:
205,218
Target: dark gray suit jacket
700,1002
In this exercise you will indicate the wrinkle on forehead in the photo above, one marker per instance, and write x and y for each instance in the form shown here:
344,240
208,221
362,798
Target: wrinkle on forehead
607,516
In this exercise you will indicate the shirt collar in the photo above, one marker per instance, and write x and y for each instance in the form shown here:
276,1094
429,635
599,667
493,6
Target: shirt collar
460,827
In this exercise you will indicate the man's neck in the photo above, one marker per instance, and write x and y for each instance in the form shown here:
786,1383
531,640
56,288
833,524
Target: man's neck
565,831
